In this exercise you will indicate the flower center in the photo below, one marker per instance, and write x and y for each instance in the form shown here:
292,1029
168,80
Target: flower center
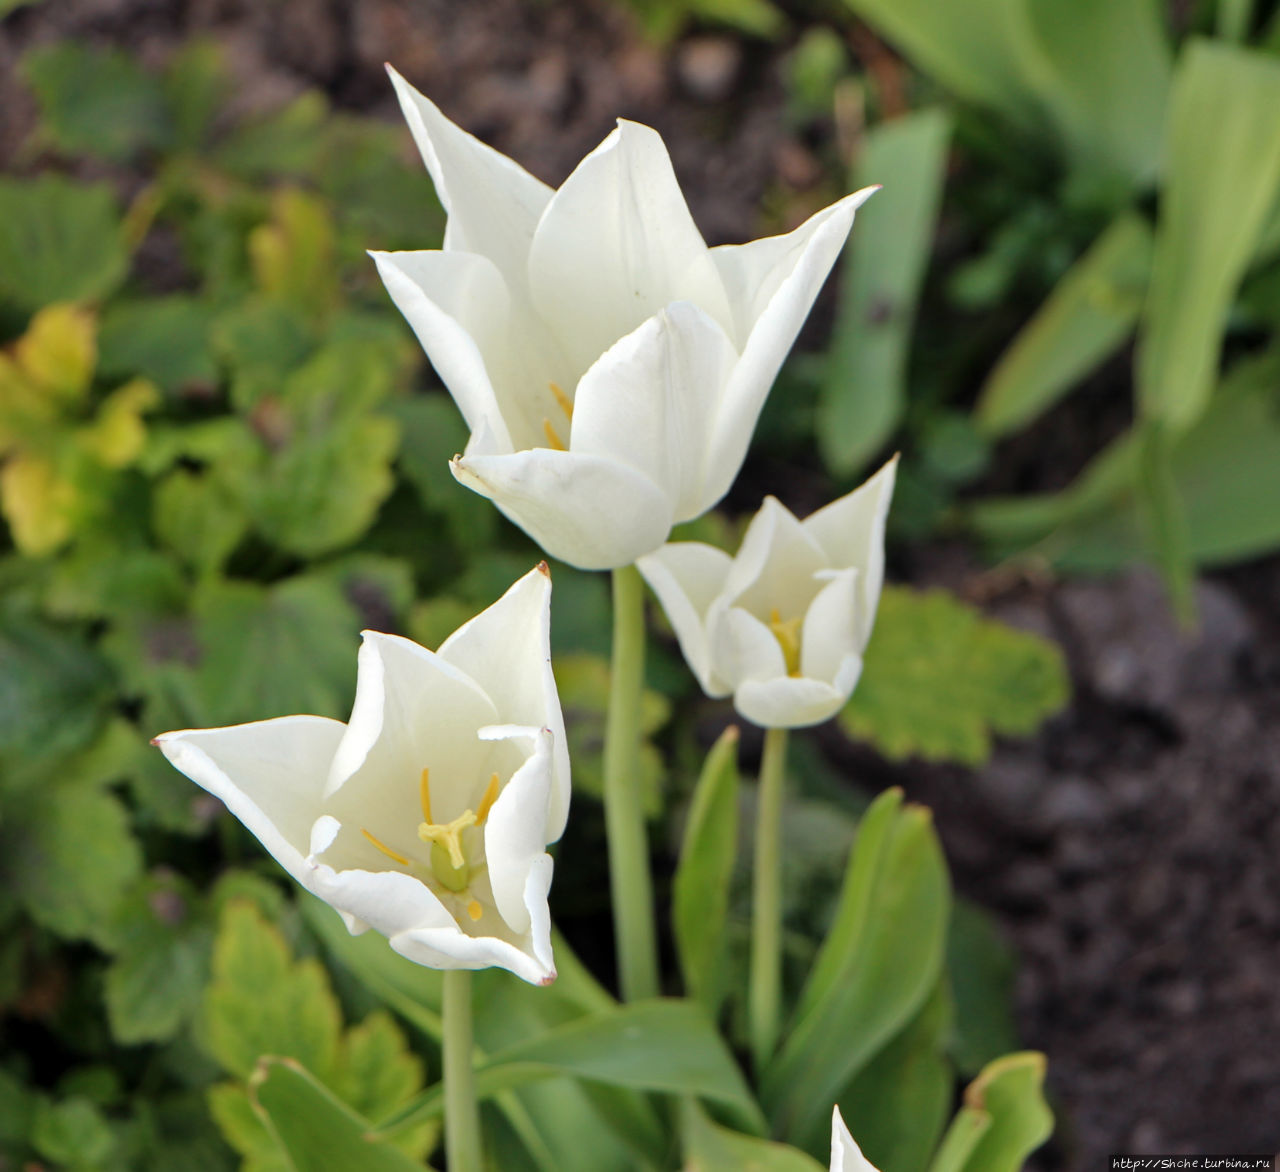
566,405
448,858
787,632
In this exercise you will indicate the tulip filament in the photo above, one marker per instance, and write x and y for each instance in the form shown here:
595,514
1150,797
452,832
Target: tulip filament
566,405
787,632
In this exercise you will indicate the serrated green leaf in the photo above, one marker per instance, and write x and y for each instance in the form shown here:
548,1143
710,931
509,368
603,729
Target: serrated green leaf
96,102
864,388
165,339
260,1001
700,889
197,518
711,1148
318,1131
1222,178
939,680
262,341
1089,314
59,241
245,1130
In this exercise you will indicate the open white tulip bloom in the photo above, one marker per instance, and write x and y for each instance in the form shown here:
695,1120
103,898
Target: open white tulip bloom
846,1156
782,626
427,816
611,367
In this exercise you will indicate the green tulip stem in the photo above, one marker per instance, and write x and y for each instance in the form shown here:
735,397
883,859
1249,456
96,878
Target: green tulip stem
766,912
631,886
461,1113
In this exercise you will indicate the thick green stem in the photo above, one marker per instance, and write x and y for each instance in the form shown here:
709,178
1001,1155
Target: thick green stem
766,912
630,884
463,1149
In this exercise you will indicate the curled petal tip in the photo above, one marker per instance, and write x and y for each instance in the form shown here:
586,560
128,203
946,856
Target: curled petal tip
155,741
548,979
543,569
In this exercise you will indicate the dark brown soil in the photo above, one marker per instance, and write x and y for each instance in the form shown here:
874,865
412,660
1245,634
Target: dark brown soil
1132,850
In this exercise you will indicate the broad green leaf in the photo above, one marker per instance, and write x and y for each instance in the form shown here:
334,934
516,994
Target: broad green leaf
58,352
153,985
273,651
196,84
700,890
97,102
292,255
285,142
898,1105
165,339
1010,1092
940,679
59,241
262,341
864,389
318,1131
981,966
1222,175
709,1147
245,1129
1165,519
72,1132
378,1073
666,1046
195,516
879,964
1087,317
260,1001
67,853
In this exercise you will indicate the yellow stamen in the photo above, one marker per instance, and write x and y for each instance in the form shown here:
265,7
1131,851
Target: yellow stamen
566,403
449,836
486,802
788,635
395,856
424,794
553,440
474,910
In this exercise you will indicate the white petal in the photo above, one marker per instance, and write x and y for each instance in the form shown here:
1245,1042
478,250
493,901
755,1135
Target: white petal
831,631
593,513
459,308
846,1156
743,648
787,701
506,649
413,710
390,902
494,204
515,834
617,243
791,283
687,576
269,774
775,565
649,402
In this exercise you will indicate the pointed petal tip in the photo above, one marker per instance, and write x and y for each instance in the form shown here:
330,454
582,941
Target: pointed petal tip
543,569
547,979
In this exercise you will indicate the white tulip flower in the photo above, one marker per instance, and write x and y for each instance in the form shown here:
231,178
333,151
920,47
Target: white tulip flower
610,366
846,1156
782,626
427,815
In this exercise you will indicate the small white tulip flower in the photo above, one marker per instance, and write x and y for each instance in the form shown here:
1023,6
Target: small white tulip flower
427,815
611,367
782,626
846,1156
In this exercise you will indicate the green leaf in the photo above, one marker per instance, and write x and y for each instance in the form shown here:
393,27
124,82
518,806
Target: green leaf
59,241
700,890
153,986
72,1132
666,1046
260,1001
1009,1092
939,679
870,977
67,853
1165,519
194,515
285,142
864,389
898,1105
318,1131
709,1147
292,255
981,965
196,85
165,339
262,341
245,1129
273,651
96,102
1087,317
1222,178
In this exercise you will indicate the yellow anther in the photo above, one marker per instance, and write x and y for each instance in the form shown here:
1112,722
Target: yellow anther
553,440
566,403
474,910
788,635
424,794
449,836
486,802
395,856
